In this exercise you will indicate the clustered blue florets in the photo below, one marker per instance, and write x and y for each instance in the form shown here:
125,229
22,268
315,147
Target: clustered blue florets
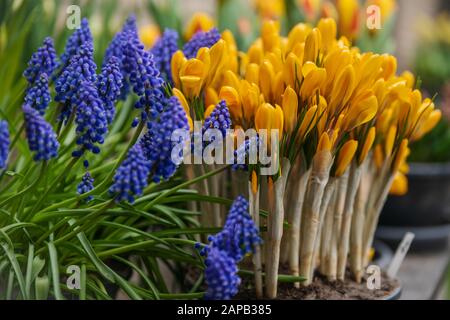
163,51
238,237
131,177
247,148
86,185
90,118
218,119
38,95
109,84
75,41
221,275
80,69
41,137
199,40
4,143
42,61
157,142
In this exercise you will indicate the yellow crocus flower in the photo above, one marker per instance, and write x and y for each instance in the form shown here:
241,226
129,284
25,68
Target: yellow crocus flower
348,13
345,156
399,185
252,73
200,21
367,145
390,140
328,31
342,89
148,35
266,76
324,143
290,107
314,77
297,35
192,75
402,153
233,100
313,44
177,62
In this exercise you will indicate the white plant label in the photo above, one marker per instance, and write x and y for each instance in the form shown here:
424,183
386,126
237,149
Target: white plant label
400,254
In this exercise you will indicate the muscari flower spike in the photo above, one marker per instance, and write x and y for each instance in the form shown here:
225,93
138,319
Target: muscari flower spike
74,42
38,95
41,138
81,68
115,49
42,61
199,40
90,118
242,152
218,119
109,84
239,235
163,51
86,185
132,175
221,275
4,143
157,143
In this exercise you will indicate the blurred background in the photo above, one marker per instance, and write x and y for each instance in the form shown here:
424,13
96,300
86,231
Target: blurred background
416,31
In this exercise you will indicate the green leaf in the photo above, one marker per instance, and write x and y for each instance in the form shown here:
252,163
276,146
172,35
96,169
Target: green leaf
16,267
54,266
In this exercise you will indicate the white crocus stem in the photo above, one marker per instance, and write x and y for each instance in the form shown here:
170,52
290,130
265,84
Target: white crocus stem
275,231
374,214
320,171
352,187
327,232
357,228
257,262
294,232
341,190
318,243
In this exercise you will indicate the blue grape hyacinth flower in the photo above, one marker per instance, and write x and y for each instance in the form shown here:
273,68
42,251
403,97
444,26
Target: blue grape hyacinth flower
82,68
239,235
163,51
42,140
4,143
218,119
38,95
90,119
109,84
157,143
42,61
221,275
199,40
79,37
131,177
86,185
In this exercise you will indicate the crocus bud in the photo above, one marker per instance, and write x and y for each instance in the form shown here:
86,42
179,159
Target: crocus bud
290,106
177,62
313,44
367,145
345,156
328,31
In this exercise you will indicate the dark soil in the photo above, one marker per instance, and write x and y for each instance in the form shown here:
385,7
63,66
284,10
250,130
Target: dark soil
322,289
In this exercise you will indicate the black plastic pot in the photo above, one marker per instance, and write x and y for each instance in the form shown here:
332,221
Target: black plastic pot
424,210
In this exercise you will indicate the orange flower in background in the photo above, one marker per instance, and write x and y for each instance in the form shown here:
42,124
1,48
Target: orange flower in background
310,8
348,18
148,35
199,22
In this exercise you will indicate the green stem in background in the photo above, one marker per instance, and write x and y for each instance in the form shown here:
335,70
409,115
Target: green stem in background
52,186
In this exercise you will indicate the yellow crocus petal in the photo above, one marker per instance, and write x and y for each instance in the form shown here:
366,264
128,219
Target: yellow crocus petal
191,85
313,44
402,153
342,89
324,143
362,112
252,73
199,22
266,76
231,79
348,13
278,87
346,154
297,35
367,145
191,123
290,107
278,120
428,124
231,97
328,31
254,182
211,96
399,185
228,37
255,53
378,156
148,35
389,66
410,79
217,57
177,93
390,140
209,110
308,122
270,34
262,117
192,75
177,62
292,71
314,77
250,99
